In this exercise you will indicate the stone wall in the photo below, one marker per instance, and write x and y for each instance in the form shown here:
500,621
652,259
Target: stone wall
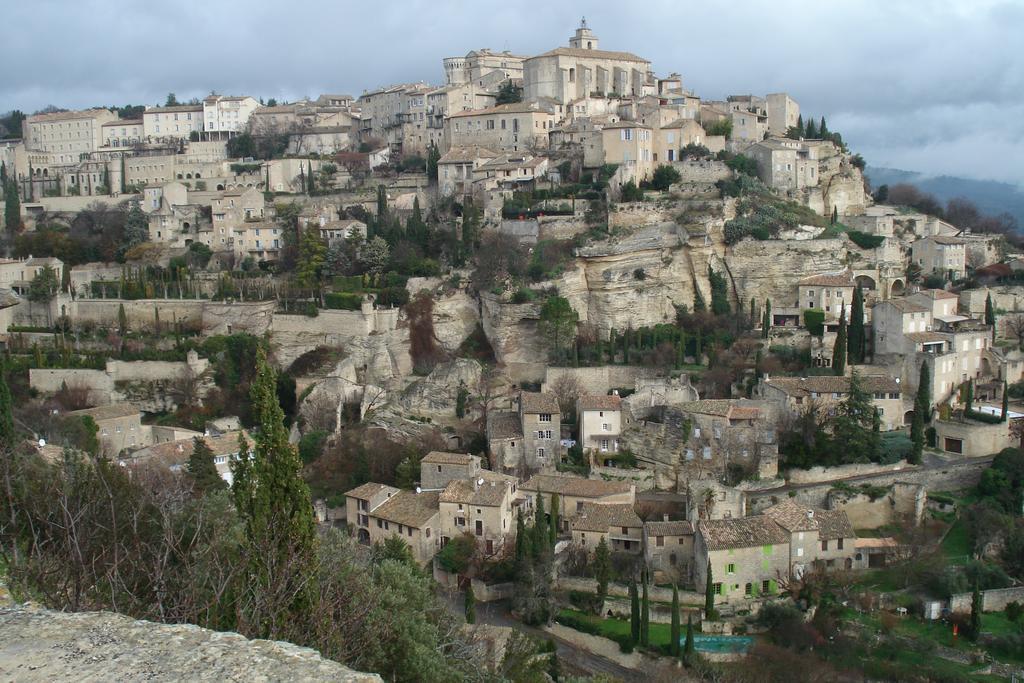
822,474
700,171
994,600
903,502
524,231
562,227
954,477
598,380
770,269
38,645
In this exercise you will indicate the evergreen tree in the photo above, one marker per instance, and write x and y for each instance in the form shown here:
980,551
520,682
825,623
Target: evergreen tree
470,605
990,315
522,539
1006,402
310,180
12,207
855,337
602,569
923,400
274,505
302,179
976,610
634,612
839,350
122,320
312,257
382,206
800,125
853,424
6,409
823,129
540,530
106,179
810,131
719,293
709,594
916,437
645,613
433,156
969,397
136,228
65,279
202,469
124,177
766,321
554,519
688,646
674,642
835,215
31,184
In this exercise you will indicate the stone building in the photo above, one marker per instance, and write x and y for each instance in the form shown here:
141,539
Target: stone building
829,292
946,256
541,421
120,427
516,127
972,439
630,146
376,512
438,468
747,557
456,169
122,133
177,122
795,395
668,549
17,274
175,454
824,538
484,506
573,492
569,73
504,440
783,112
600,422
225,116
616,523
66,135
482,64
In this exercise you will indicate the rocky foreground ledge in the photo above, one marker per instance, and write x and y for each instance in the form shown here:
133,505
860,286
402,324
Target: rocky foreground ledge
42,645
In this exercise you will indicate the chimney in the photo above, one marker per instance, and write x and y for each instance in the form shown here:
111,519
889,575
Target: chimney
810,514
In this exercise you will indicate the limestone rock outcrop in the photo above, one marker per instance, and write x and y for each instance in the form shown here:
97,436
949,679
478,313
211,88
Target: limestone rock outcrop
435,395
45,646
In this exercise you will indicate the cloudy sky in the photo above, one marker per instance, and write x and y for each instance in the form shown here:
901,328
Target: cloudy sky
929,85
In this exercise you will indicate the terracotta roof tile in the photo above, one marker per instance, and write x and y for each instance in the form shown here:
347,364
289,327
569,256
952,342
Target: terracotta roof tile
743,532
367,490
599,402
677,528
490,493
444,458
110,412
504,425
577,487
601,517
408,508
823,384
536,402
843,279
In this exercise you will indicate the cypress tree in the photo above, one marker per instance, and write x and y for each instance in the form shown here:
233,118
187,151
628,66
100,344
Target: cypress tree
766,320
674,642
1006,402
822,128
916,437
923,401
302,179
839,350
124,177
634,612
800,125
470,605
602,569
969,398
540,529
202,469
382,205
976,609
688,646
553,530
31,183
810,131
521,537
835,215
6,408
709,594
122,320
12,206
645,612
855,337
274,505
310,180
990,315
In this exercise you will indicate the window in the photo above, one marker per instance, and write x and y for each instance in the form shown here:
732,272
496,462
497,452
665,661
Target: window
839,544
544,417
479,528
660,541
380,524
766,586
799,552
579,506
717,588
540,452
824,545
706,453
547,434
748,589
606,427
730,568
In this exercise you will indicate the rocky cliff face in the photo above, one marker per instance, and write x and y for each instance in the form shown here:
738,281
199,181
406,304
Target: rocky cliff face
40,645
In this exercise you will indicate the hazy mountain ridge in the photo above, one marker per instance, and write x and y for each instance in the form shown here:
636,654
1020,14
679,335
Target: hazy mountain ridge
990,196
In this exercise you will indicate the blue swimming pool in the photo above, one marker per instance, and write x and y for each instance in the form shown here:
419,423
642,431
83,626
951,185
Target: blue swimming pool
731,644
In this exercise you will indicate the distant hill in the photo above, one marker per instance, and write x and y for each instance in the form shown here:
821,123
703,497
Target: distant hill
990,196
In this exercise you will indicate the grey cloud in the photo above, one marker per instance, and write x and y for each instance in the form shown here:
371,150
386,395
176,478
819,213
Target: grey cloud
929,85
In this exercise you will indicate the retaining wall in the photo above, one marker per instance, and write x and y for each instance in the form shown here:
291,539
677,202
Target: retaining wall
994,600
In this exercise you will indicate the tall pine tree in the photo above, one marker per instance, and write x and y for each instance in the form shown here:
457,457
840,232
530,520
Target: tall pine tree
203,469
6,408
634,612
855,337
675,635
990,315
839,350
274,505
554,519
645,613
766,320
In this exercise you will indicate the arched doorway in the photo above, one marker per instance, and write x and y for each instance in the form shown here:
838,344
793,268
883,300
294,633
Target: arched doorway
897,288
220,187
865,282
364,536
908,417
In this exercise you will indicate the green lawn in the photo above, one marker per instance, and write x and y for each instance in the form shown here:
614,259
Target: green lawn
956,546
615,629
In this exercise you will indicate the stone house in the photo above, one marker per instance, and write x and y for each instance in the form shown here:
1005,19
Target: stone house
336,232
941,255
226,115
172,123
516,127
709,498
816,537
510,173
973,439
241,205
66,135
569,73
504,440
175,454
122,133
829,292
783,112
616,523
17,274
600,422
376,512
120,427
541,421
629,145
783,164
794,395
728,433
478,64
574,492
894,319
748,125
674,136
748,557
484,506
438,468
455,169
668,548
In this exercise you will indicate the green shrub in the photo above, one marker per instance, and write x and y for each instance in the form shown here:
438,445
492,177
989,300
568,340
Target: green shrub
311,444
343,300
455,557
814,321
864,240
393,296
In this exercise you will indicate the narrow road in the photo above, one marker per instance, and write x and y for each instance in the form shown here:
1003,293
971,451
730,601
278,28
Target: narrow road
571,657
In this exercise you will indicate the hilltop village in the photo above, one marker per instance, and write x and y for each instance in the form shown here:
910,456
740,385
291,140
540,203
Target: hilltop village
579,346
